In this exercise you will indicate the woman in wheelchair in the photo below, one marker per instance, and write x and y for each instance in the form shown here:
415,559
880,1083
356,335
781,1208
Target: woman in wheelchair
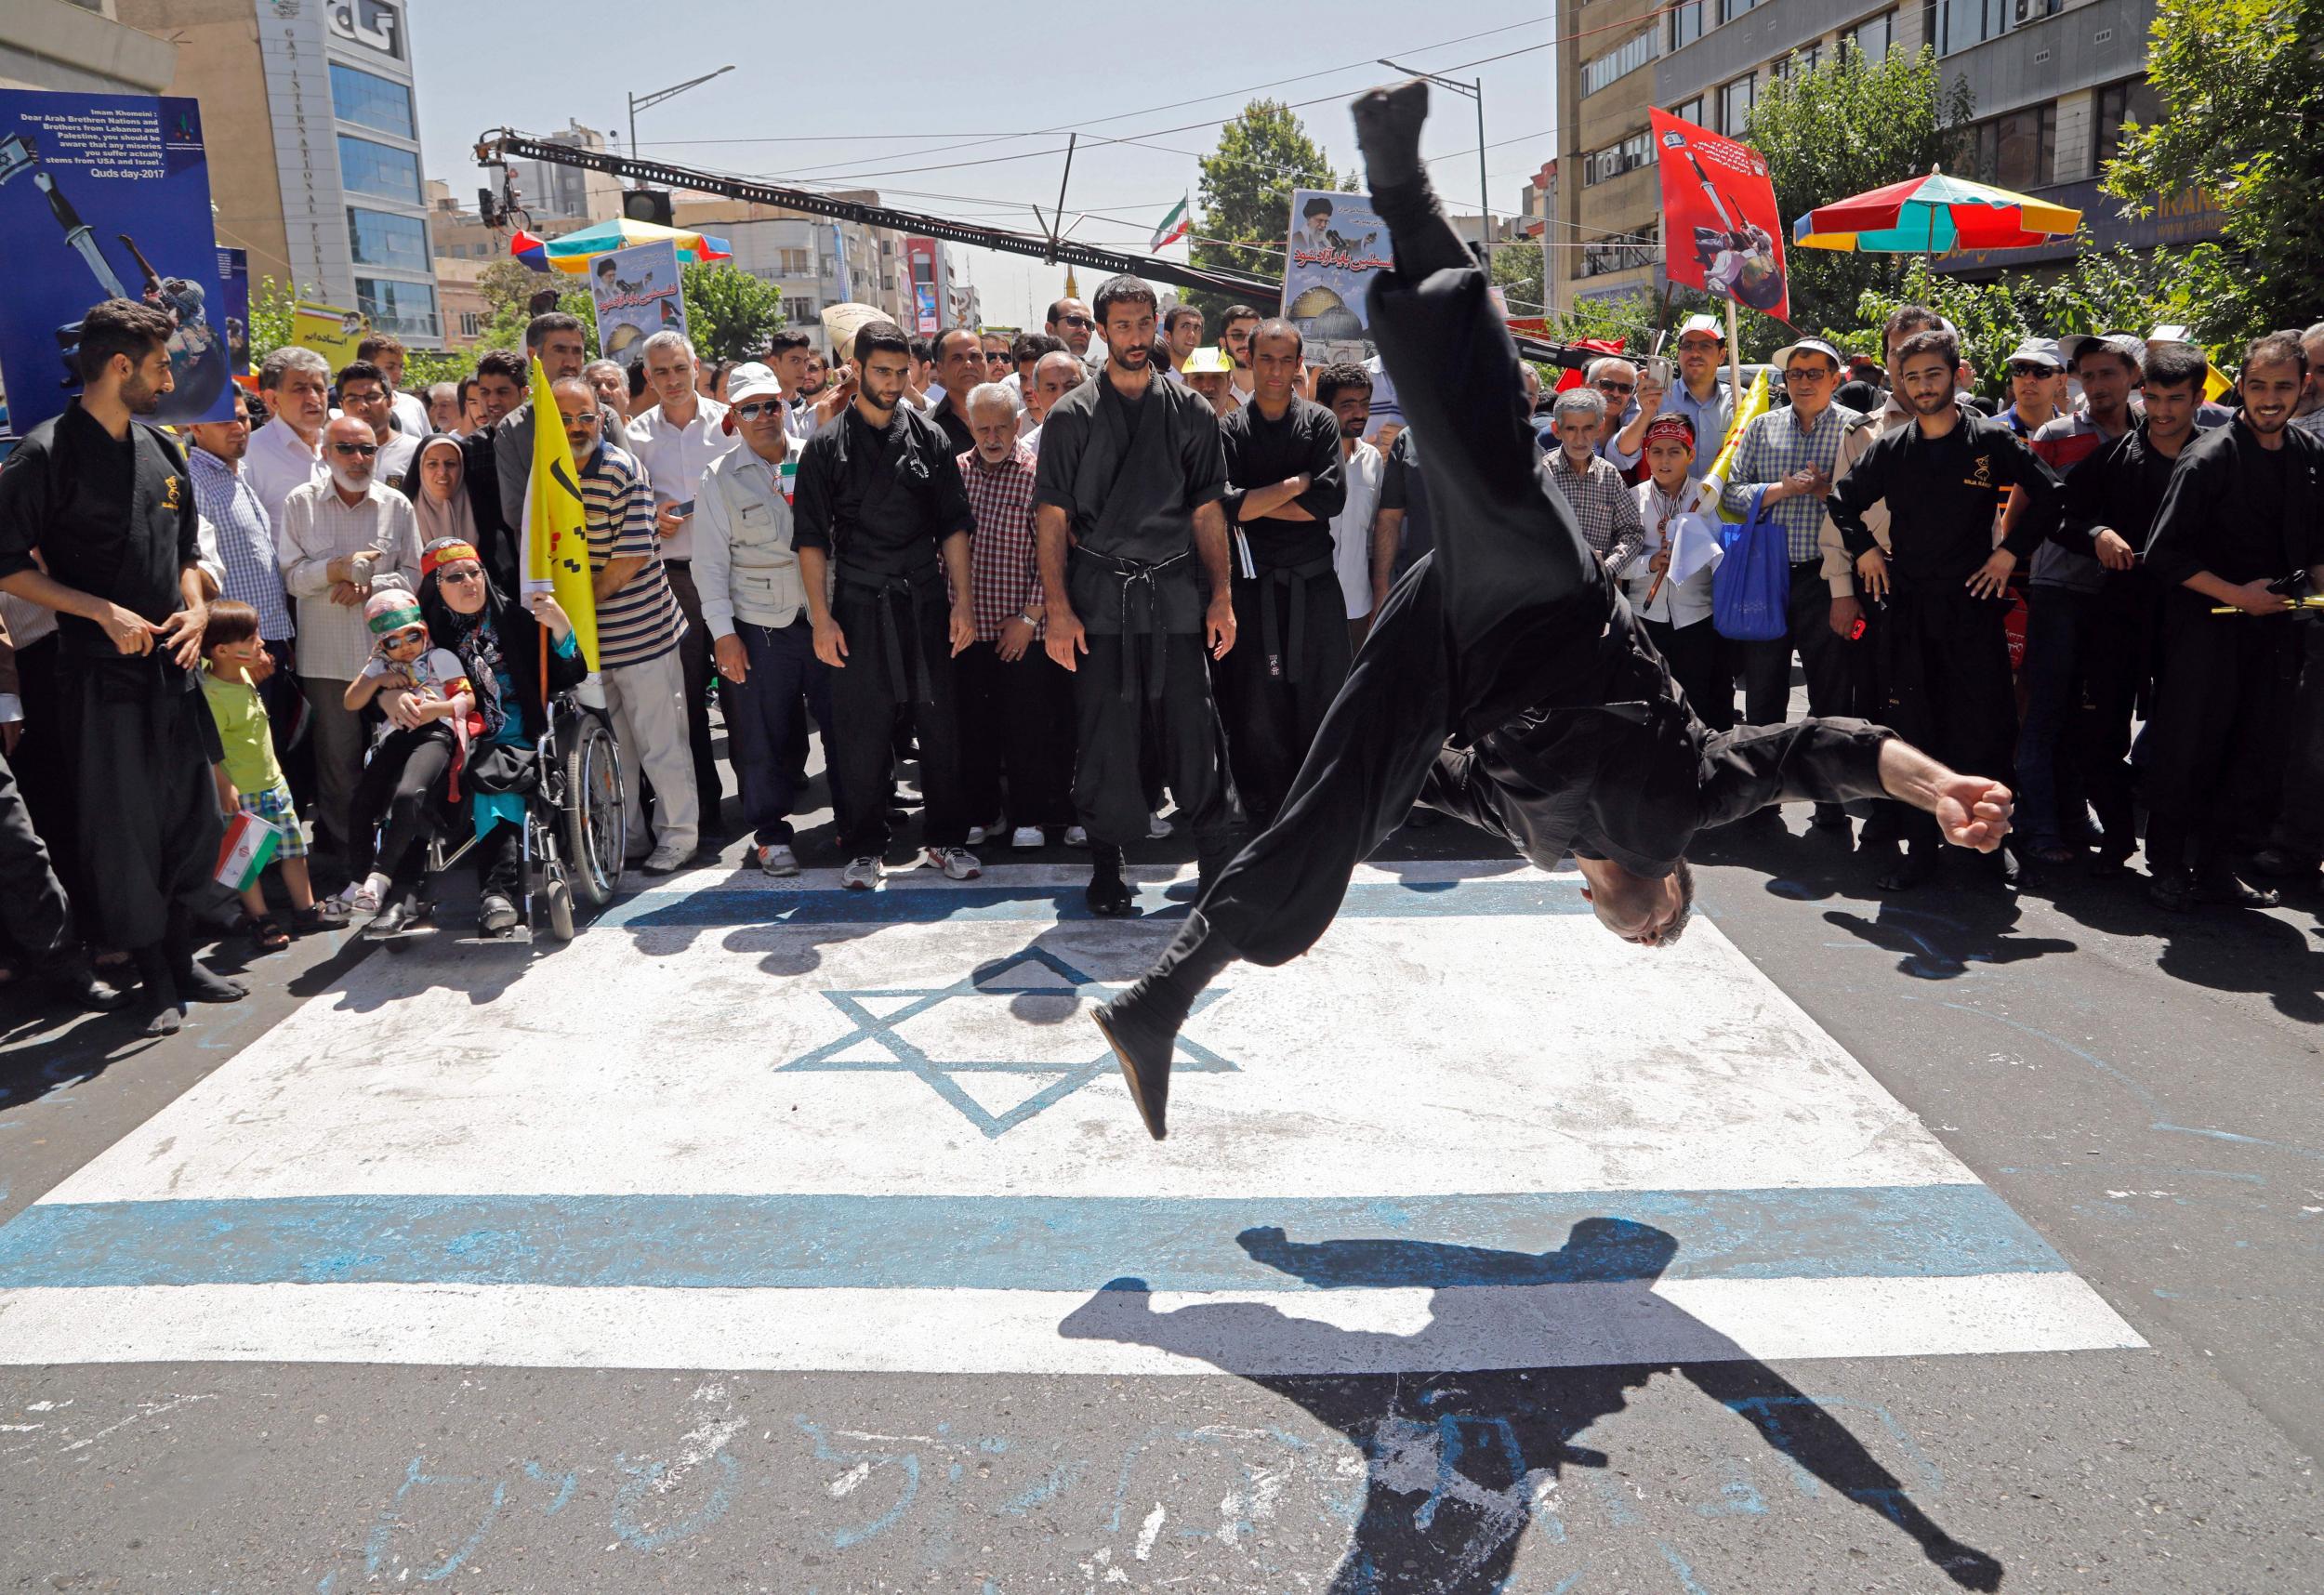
496,642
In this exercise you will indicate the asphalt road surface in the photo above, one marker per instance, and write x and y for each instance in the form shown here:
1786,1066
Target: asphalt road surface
776,1239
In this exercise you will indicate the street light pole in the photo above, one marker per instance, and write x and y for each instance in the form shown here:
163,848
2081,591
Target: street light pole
646,101
1474,91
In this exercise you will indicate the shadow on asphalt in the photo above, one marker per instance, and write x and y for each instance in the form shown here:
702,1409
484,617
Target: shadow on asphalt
1455,1462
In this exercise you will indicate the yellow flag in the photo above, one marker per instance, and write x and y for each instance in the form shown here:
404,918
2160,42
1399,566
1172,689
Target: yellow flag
1755,405
2215,383
555,539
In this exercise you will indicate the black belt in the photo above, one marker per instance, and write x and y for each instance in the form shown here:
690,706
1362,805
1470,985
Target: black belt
891,645
1287,578
1139,577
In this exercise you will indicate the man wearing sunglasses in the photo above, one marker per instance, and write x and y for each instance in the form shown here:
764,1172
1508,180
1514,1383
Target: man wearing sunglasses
337,539
1070,321
2037,383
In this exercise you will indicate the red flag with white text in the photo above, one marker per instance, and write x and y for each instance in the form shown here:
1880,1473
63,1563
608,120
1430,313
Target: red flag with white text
1720,230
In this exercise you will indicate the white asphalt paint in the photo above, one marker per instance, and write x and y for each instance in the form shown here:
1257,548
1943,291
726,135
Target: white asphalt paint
1403,1056
1057,1332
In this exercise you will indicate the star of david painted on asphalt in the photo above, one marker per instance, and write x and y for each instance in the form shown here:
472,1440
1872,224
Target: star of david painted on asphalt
1005,978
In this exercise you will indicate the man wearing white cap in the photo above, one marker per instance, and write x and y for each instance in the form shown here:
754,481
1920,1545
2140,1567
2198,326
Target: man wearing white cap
753,606
1787,459
1706,400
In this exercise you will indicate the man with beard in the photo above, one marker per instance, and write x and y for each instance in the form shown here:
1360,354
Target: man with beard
1346,391
1943,478
2111,497
336,538
1505,682
555,339
2240,525
1234,330
1284,482
879,504
97,523
1128,505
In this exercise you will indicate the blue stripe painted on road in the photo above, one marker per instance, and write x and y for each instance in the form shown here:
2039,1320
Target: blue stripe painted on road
1026,1242
716,907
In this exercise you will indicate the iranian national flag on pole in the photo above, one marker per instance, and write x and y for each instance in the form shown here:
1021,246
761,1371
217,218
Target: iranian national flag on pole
1174,226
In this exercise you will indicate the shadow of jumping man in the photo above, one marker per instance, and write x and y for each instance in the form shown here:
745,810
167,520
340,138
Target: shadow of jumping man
1454,1460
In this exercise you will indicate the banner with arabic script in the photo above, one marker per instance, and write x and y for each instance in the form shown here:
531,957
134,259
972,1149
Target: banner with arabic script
635,292
1338,244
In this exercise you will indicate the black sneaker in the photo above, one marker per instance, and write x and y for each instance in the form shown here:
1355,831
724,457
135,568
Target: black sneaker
1142,1044
2173,889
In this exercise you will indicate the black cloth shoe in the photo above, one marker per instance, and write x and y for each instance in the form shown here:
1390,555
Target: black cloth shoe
2173,889
194,983
1109,894
76,983
2282,864
1829,817
1387,123
1142,1024
1914,869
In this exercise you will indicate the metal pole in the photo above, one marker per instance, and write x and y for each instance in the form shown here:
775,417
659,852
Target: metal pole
1063,177
1485,211
633,126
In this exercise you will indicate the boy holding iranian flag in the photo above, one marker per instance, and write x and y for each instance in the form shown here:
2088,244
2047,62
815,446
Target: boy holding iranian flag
262,825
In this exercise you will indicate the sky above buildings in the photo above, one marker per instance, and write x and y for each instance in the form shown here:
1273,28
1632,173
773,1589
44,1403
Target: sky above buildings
961,111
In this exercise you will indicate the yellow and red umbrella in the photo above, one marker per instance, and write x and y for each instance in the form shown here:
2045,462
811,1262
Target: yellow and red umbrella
1934,215
573,252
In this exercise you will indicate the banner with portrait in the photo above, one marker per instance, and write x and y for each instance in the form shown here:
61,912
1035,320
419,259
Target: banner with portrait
637,294
1337,245
1720,229
332,331
106,196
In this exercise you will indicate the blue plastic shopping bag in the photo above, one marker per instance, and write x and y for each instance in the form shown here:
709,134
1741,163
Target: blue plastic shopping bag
1750,592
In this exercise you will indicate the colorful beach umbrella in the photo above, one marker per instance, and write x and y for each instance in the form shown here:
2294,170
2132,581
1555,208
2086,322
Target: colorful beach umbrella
573,252
1934,215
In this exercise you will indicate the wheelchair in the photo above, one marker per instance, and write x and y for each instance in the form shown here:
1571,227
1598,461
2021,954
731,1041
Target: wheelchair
574,818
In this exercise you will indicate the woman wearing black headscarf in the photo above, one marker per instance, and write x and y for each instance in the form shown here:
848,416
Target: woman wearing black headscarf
499,643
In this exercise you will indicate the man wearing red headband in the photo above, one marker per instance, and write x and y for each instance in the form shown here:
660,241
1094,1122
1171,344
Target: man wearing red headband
1506,682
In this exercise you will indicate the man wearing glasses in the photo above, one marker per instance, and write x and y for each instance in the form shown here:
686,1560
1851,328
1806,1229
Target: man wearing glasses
1788,458
1631,403
2037,373
339,537
1701,397
1071,321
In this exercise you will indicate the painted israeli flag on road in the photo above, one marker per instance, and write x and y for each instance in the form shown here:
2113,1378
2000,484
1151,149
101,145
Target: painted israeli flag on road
744,1124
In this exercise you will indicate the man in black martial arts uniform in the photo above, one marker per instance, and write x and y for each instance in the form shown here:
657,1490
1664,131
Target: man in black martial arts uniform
879,498
1506,682
1944,643
1128,515
108,507
1284,482
2245,509
2110,502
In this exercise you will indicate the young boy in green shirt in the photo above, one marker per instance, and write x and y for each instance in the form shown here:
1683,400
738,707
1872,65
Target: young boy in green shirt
249,780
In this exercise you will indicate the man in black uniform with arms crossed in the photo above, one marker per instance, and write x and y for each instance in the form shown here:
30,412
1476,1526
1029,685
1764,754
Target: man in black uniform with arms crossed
1506,682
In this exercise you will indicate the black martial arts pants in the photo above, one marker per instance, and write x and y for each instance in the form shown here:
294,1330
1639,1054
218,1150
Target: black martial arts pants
2216,742
2300,819
1508,604
693,666
1112,734
31,905
2114,661
149,834
43,767
1946,666
1831,664
867,695
1271,701
1016,736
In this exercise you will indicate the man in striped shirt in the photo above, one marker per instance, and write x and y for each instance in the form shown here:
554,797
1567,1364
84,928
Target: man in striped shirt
638,628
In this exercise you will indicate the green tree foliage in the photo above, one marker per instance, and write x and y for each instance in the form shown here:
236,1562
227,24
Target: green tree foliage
2242,89
1517,271
1245,216
729,314
1852,124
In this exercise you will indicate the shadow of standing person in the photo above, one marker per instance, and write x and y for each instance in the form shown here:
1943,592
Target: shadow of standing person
1452,1467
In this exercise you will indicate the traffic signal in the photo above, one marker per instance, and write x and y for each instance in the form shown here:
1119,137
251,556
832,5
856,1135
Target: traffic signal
647,204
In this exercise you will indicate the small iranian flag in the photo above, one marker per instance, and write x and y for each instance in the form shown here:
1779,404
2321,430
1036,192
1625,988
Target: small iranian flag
1174,226
245,851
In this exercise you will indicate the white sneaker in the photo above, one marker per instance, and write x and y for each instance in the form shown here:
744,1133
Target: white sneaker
1077,836
365,895
777,858
958,863
1028,837
861,874
986,833
1158,827
667,860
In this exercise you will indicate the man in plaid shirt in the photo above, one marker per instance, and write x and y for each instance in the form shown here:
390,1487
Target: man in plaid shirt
1602,504
1016,703
1792,456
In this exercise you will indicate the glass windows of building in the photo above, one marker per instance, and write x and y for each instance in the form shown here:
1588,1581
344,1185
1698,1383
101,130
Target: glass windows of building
1730,9
1960,24
1627,155
1736,99
1689,110
408,310
1686,23
380,169
2132,100
1621,252
379,239
2019,150
1875,35
370,101
1618,63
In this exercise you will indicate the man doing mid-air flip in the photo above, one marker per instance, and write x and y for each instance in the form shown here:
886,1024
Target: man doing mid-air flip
1506,682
